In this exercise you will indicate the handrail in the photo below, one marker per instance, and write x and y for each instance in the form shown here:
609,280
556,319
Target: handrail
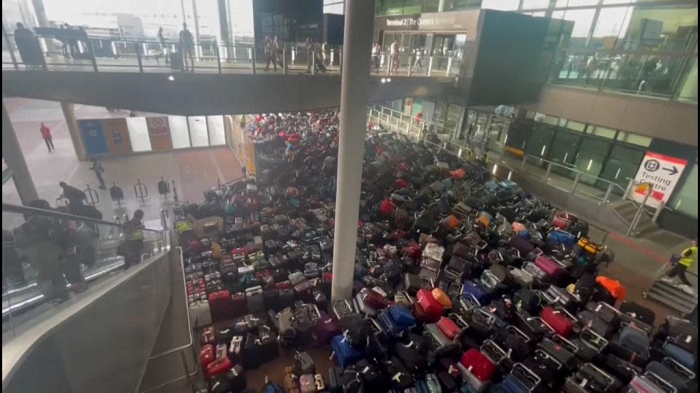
573,170
7,207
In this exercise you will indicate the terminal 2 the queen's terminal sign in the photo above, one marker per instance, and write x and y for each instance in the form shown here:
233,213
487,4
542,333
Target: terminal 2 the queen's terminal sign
438,21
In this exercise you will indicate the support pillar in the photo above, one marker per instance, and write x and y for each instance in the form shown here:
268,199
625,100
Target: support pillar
72,124
354,98
12,154
43,20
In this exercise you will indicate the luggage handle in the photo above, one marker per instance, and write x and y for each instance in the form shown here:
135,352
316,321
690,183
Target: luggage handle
565,343
600,305
542,322
518,332
678,368
525,376
492,351
610,380
660,382
458,320
549,357
593,339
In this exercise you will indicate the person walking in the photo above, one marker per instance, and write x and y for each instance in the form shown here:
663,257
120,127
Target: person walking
75,196
28,46
163,47
271,53
688,260
418,64
310,49
187,48
99,170
376,56
133,238
46,135
394,56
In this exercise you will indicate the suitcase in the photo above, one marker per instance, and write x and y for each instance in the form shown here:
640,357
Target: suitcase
528,300
648,384
605,312
449,328
497,355
221,306
200,314
218,367
250,356
401,379
255,300
428,303
561,349
534,327
549,266
335,380
515,341
478,365
326,328
521,380
672,372
634,339
307,383
639,312
538,274
412,283
679,354
592,379
286,298
268,345
207,355
402,316
413,360
271,299
240,304
422,316
621,369
304,364
560,238
521,277
558,319
442,298
590,320
345,354
389,326
476,290
562,220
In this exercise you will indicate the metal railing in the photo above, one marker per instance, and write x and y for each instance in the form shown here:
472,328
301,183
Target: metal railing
56,254
110,54
662,75
406,124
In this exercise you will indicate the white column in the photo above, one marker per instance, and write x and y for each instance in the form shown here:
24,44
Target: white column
73,130
354,98
441,6
12,154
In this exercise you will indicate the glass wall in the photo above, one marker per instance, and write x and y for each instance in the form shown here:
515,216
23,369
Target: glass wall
685,199
633,47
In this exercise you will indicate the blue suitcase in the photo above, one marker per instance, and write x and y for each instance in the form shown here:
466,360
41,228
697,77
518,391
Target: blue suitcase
478,291
635,340
556,238
508,185
402,316
345,354
680,355
387,323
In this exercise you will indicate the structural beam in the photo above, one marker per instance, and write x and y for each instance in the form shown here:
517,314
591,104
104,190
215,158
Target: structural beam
14,158
354,97
72,124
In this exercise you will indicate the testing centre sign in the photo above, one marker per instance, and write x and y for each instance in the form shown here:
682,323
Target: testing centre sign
663,173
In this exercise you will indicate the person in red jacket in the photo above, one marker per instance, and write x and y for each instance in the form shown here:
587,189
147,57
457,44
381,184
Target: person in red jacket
48,139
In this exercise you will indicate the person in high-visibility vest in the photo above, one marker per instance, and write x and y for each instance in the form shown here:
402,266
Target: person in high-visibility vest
688,260
134,236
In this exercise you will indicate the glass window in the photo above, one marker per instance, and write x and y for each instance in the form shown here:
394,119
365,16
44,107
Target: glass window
550,120
575,3
590,158
611,23
198,131
179,132
334,9
503,5
576,126
138,133
217,135
602,132
685,199
540,142
583,19
634,139
565,153
671,28
622,164
535,4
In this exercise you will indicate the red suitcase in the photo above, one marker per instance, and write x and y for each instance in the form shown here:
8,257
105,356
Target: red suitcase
478,365
421,315
218,367
558,320
549,266
563,220
221,306
207,354
448,327
207,336
239,304
428,303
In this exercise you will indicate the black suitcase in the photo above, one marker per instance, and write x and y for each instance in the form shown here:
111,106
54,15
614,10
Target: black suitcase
622,369
271,298
639,312
589,319
251,353
335,380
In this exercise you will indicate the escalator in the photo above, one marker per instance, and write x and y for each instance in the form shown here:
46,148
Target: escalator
77,324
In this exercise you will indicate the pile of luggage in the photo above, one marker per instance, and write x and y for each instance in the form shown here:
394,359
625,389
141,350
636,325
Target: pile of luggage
462,283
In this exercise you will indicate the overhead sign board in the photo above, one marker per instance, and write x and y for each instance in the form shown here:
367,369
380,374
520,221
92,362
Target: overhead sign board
662,172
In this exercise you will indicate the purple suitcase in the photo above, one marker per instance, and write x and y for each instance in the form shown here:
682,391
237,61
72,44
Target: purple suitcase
549,266
326,328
